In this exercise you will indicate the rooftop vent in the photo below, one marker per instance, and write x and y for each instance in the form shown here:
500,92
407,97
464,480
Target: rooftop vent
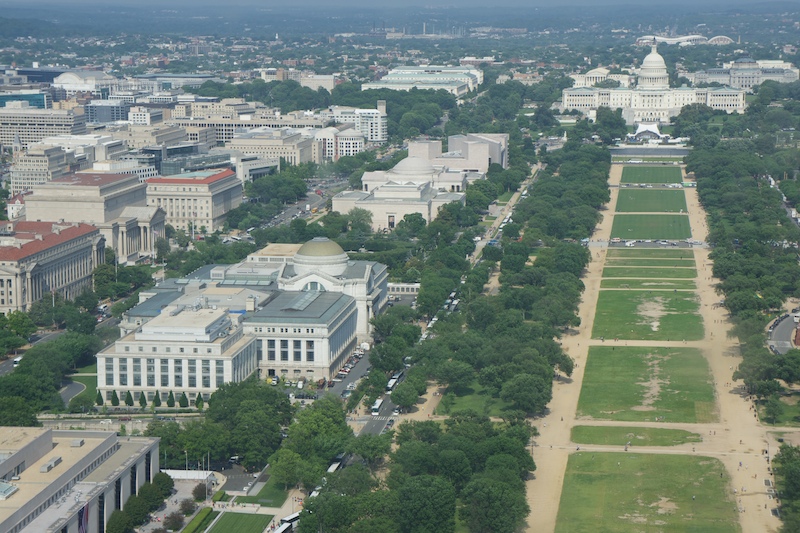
76,443
49,465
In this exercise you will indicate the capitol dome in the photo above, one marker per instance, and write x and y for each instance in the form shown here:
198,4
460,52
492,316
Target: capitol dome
653,74
320,254
413,166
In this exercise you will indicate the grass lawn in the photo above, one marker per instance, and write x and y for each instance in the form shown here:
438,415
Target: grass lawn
201,521
650,262
91,384
633,493
651,174
271,495
242,523
619,436
651,201
670,227
473,397
650,252
88,369
649,272
791,411
642,315
505,197
637,384
660,284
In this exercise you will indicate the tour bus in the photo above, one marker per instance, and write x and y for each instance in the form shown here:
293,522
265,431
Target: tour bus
334,467
390,386
284,528
376,407
290,520
17,360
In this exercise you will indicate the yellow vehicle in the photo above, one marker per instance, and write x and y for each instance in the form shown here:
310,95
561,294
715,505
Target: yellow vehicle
314,210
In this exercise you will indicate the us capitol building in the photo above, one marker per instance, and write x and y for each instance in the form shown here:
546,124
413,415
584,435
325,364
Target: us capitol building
651,100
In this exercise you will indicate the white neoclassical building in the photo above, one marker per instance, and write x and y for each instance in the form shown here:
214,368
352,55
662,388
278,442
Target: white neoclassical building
652,100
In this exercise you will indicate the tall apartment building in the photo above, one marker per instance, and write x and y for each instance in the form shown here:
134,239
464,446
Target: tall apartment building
39,257
38,164
338,142
196,199
289,144
18,120
69,481
191,350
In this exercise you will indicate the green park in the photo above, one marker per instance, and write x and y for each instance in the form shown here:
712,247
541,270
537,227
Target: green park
637,436
650,262
647,315
649,272
651,284
669,227
241,523
633,493
651,201
651,174
639,253
640,384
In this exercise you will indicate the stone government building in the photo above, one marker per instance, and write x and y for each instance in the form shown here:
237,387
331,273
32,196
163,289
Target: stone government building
652,100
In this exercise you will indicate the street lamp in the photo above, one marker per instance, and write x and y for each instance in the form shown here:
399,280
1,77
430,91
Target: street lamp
187,459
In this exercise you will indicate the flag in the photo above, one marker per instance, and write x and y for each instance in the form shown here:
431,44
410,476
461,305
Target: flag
83,520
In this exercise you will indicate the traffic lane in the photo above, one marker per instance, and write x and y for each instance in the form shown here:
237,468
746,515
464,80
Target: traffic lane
71,390
7,366
781,336
358,372
376,424
237,479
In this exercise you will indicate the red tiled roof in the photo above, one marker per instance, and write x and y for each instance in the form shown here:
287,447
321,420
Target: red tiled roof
190,179
25,229
88,179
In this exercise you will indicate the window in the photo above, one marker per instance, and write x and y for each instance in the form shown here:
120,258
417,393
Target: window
192,373
220,380
271,350
177,368
298,350
206,368
137,372
309,351
165,372
151,372
109,371
123,371
284,350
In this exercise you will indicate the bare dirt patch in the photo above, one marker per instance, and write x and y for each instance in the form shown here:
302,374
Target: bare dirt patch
665,506
651,312
652,386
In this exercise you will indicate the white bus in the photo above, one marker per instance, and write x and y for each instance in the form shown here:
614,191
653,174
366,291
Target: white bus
17,360
334,467
391,385
376,407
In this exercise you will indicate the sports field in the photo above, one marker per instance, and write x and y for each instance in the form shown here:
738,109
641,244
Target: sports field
670,227
646,315
651,174
641,384
651,201
242,523
635,493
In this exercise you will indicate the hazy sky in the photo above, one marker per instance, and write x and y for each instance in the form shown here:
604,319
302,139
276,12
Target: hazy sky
381,4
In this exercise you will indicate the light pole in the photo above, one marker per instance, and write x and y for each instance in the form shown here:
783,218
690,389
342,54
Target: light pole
187,459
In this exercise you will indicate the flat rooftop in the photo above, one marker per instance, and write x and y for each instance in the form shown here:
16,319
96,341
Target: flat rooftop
90,179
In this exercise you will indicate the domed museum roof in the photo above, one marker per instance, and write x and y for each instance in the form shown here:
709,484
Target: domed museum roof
320,254
413,165
653,74
654,61
320,246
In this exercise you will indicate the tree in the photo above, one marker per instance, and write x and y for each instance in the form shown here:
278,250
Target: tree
773,408
371,448
20,324
493,506
455,374
82,403
184,401
360,221
187,506
164,484
162,249
198,402
142,400
119,522
429,505
129,399
98,400
157,400
171,400
286,467
200,492
173,521
114,399
15,411
405,395
530,393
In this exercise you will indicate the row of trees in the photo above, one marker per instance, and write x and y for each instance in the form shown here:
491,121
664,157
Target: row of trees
137,508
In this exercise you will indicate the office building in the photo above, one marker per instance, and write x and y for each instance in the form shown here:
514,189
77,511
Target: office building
35,98
652,100
145,116
97,147
115,203
185,349
138,136
38,164
373,123
196,200
39,257
106,111
69,481
291,145
338,142
29,125
458,81
746,73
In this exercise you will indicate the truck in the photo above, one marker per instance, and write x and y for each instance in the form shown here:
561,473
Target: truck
308,207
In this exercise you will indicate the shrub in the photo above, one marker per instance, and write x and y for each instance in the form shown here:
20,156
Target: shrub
187,506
